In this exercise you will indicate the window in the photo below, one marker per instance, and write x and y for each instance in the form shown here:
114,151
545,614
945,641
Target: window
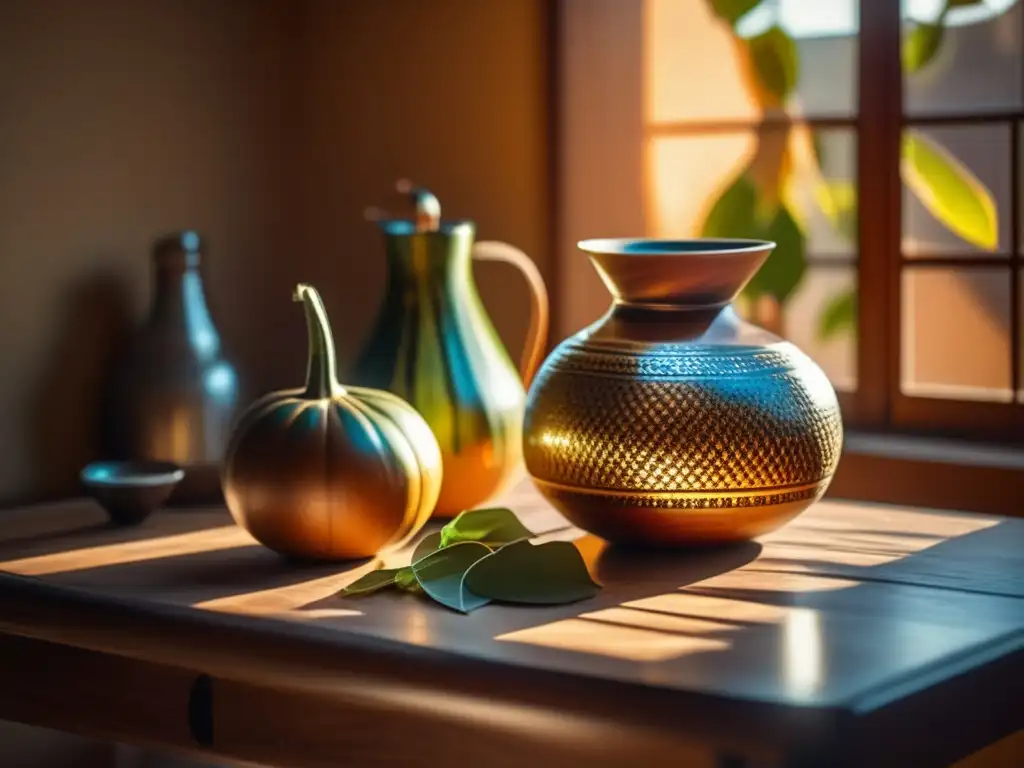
891,181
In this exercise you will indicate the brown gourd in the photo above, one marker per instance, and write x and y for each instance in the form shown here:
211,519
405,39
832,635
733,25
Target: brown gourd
329,472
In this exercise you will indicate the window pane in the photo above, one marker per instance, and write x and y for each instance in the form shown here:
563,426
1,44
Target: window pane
694,70
972,65
956,190
687,175
956,340
824,190
821,319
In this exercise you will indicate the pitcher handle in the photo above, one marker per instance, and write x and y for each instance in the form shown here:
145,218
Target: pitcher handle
537,335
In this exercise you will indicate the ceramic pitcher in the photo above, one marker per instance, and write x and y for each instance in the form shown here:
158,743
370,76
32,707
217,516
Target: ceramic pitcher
434,345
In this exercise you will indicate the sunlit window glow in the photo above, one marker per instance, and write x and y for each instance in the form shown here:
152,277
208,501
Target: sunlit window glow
838,18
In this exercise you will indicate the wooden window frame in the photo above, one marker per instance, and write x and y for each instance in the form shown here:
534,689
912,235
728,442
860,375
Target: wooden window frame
879,404
882,405
899,448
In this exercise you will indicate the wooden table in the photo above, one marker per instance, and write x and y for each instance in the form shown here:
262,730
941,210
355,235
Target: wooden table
857,635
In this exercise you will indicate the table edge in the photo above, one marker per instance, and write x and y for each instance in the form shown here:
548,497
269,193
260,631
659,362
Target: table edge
295,655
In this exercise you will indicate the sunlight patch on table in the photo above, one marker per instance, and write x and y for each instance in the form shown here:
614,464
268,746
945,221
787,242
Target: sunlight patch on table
620,642
802,661
800,558
316,614
290,597
867,534
415,626
753,580
630,617
195,542
711,608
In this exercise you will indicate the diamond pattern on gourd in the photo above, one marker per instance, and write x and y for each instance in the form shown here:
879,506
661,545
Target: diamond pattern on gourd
736,427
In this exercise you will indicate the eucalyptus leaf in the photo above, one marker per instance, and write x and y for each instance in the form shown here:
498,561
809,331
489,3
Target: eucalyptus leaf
921,45
950,192
440,574
371,582
733,213
544,574
406,581
494,527
429,543
838,315
776,62
733,10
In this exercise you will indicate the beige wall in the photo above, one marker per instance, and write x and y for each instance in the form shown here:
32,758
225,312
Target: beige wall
267,124
450,93
122,119
601,153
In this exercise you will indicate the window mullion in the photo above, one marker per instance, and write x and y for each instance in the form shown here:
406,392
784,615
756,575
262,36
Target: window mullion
880,106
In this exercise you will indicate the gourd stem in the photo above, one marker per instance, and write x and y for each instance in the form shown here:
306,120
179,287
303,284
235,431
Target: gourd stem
322,369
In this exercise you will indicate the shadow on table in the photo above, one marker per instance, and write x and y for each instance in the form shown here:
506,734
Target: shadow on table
625,575
802,618
38,541
206,576
810,565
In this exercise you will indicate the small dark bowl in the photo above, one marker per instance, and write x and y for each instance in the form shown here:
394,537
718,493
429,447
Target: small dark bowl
130,490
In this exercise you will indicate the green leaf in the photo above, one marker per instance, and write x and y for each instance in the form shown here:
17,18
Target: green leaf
921,45
776,61
406,581
429,543
784,269
837,199
733,10
546,574
950,192
734,213
441,575
371,582
839,314
923,42
493,527
818,148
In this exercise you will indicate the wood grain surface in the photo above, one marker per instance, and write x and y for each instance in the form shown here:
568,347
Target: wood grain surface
853,633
